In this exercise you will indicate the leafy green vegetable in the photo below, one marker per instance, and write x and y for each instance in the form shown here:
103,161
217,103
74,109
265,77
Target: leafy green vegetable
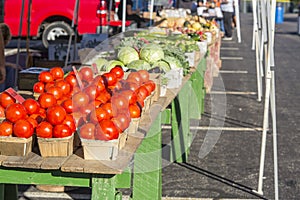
151,53
139,65
111,64
127,55
173,62
100,62
162,65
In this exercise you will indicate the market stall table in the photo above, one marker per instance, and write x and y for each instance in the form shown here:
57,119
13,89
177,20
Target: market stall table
142,147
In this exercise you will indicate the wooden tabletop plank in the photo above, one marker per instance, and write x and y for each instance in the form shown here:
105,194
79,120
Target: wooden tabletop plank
53,163
32,161
14,161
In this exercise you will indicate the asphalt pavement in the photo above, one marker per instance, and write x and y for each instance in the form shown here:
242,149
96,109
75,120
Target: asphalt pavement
229,167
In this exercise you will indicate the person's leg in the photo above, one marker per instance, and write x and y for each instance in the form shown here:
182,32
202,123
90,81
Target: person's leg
227,23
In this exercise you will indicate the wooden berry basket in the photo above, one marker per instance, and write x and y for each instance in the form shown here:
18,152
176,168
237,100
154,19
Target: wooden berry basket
15,146
61,147
103,150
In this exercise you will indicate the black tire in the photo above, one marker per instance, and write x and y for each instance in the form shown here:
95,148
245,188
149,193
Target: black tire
54,30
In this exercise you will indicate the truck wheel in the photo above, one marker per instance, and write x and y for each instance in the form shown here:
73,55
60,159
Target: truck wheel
54,30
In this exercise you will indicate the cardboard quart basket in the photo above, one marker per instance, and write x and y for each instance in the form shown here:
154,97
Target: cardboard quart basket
15,146
103,150
56,147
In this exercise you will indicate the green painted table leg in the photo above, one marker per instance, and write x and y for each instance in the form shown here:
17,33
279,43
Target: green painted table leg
2,191
103,187
181,125
147,180
8,192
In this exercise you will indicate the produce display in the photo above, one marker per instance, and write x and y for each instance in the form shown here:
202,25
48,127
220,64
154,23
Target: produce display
97,106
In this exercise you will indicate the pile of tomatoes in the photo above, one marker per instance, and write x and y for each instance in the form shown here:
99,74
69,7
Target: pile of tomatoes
97,106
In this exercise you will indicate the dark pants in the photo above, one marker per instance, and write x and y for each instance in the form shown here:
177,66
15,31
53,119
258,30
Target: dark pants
227,18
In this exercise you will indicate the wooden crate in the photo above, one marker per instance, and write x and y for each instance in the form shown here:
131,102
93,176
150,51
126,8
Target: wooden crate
133,126
50,147
14,146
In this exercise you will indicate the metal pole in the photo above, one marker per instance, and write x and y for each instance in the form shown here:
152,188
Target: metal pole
123,15
238,25
254,13
19,43
151,11
273,96
75,17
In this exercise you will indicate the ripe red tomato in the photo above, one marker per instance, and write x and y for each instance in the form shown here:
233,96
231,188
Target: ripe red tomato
99,82
32,121
23,128
45,77
106,130
32,106
130,95
87,109
134,77
122,121
6,128
57,73
42,113
56,114
144,74
69,120
67,105
131,86
80,99
71,79
103,97
49,85
2,112
108,107
142,92
87,131
6,99
15,111
98,115
61,131
135,111
110,78
56,91
79,118
118,71
44,130
92,91
120,103
86,74
46,100
150,85
39,87
64,86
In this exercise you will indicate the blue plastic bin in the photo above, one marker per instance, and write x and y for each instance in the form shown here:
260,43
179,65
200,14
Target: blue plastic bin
279,14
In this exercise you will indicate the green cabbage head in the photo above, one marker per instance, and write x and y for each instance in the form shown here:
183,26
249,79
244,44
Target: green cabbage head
127,55
151,53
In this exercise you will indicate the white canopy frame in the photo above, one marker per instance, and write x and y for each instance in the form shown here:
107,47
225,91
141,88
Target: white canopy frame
263,41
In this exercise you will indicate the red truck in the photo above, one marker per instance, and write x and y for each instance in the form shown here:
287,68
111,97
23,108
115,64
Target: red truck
50,19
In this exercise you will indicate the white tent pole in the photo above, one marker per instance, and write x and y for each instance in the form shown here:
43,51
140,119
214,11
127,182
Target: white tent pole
254,38
266,108
19,43
123,15
273,97
151,11
238,24
256,47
